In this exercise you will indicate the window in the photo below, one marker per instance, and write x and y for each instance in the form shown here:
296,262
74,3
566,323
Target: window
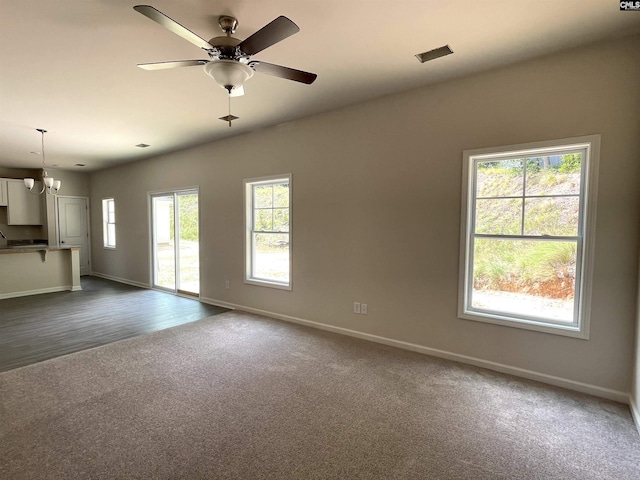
528,216
109,222
268,237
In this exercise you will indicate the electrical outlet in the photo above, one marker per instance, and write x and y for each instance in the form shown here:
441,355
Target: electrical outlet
363,308
356,307
227,284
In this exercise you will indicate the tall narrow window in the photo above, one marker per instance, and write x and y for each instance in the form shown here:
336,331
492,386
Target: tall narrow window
527,235
109,222
268,241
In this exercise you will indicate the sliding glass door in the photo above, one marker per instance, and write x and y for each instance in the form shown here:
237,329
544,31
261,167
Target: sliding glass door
175,241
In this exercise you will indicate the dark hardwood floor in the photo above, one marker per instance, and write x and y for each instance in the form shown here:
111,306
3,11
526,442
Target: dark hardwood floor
39,327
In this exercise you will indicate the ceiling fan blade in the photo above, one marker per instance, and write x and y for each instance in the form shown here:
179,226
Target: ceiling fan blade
176,64
237,92
283,72
270,34
171,25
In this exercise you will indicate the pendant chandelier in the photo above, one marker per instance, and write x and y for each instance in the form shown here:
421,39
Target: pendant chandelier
49,184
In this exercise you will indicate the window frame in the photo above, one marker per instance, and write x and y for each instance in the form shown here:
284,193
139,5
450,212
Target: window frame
585,236
106,217
249,249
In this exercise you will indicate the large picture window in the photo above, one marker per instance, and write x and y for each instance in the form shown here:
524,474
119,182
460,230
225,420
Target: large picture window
527,235
268,238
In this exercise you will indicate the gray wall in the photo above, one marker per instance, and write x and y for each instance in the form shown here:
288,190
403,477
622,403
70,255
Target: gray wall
635,381
376,209
74,184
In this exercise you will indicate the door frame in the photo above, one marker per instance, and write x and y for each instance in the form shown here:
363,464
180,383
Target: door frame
167,192
56,213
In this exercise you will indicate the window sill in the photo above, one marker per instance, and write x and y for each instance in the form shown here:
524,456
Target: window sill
266,283
569,330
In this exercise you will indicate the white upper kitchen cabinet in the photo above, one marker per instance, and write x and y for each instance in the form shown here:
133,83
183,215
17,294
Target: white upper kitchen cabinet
23,206
3,192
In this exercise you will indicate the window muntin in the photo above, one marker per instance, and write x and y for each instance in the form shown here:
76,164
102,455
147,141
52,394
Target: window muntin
527,226
109,222
268,218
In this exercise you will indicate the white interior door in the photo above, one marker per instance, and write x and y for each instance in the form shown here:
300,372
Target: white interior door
73,227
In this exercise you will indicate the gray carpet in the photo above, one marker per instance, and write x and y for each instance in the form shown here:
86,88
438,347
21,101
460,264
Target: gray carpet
238,396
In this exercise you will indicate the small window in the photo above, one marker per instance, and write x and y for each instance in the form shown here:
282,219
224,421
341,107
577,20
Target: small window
268,237
528,217
109,222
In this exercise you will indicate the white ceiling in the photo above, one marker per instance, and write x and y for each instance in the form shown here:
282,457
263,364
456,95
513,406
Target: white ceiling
69,66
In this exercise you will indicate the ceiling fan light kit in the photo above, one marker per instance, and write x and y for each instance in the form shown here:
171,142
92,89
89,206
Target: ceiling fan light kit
229,74
229,63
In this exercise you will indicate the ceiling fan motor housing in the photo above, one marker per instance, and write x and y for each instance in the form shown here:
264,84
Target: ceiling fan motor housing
225,48
228,24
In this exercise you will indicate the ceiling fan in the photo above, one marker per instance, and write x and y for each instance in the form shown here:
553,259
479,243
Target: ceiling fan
229,61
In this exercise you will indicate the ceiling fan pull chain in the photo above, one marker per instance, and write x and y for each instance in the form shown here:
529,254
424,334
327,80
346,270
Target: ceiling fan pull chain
229,118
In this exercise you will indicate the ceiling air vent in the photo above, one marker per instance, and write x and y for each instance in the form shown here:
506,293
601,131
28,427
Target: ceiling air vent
435,53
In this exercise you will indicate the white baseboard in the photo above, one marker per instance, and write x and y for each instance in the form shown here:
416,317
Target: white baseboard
230,306
609,394
120,280
26,293
635,413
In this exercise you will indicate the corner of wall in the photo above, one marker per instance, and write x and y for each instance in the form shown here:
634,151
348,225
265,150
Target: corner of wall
635,413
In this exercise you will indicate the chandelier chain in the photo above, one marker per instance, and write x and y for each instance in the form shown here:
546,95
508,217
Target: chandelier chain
42,131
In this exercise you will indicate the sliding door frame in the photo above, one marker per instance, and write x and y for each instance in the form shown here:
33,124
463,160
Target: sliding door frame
176,235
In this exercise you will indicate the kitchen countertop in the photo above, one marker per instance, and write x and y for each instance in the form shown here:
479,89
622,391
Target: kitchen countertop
34,248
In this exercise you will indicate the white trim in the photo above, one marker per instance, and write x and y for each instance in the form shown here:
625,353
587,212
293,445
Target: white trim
120,280
248,184
538,326
635,412
267,283
591,145
220,303
26,293
170,191
174,194
602,392
105,224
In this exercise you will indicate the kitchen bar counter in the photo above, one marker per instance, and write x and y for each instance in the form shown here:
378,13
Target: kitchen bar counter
31,248
33,269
